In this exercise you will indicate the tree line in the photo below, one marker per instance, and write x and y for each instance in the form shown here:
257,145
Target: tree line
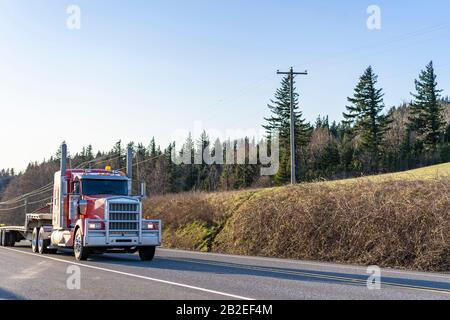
369,140
5,178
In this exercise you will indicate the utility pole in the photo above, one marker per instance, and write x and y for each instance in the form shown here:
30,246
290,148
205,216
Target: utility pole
292,74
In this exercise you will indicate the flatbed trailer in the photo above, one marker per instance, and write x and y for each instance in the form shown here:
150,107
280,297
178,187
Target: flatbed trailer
10,235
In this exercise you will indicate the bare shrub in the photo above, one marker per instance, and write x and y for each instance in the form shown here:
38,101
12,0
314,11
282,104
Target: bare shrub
403,224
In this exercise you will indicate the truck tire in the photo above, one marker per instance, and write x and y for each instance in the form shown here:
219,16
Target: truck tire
147,253
42,242
80,251
35,240
8,238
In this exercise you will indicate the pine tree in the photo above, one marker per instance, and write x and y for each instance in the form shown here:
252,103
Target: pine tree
201,169
188,169
330,157
118,152
169,170
427,119
365,114
280,122
152,147
141,154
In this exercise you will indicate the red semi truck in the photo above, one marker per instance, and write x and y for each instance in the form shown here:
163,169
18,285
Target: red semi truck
93,211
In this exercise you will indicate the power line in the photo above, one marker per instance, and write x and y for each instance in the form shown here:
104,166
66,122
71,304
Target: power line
107,160
39,201
97,161
143,161
49,187
33,193
26,204
9,209
393,40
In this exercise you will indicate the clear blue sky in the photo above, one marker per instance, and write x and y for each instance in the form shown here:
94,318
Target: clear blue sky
138,69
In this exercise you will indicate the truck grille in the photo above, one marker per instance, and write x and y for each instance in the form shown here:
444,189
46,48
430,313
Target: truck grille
114,226
123,207
123,217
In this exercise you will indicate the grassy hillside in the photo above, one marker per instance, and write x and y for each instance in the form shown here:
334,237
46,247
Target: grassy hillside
399,220
426,173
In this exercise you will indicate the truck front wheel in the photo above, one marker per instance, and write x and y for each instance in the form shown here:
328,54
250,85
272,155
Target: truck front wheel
35,240
147,253
81,252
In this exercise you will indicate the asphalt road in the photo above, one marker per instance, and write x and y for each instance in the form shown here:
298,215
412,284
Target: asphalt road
182,275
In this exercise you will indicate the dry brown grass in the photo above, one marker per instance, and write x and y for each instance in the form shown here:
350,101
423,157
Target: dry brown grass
402,224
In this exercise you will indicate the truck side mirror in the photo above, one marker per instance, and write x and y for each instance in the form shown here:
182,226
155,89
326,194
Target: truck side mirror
82,205
143,191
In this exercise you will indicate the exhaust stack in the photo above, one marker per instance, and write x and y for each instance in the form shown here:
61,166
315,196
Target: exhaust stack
130,169
63,158
62,189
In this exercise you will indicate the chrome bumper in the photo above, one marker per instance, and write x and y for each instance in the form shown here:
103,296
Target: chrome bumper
103,238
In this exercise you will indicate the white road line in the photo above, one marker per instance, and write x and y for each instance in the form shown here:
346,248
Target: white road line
132,275
342,279
308,263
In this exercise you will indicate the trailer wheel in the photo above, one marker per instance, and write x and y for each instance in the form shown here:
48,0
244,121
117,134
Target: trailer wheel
8,238
81,252
35,240
147,253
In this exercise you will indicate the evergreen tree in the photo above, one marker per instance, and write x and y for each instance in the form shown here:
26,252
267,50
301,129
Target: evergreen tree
322,122
365,114
330,157
169,170
427,115
201,169
86,154
141,154
118,152
152,147
227,175
188,169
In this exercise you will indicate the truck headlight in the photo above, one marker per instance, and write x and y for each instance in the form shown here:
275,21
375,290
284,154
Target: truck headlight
95,226
150,226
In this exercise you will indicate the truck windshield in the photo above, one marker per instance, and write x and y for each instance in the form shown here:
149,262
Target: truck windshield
110,187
